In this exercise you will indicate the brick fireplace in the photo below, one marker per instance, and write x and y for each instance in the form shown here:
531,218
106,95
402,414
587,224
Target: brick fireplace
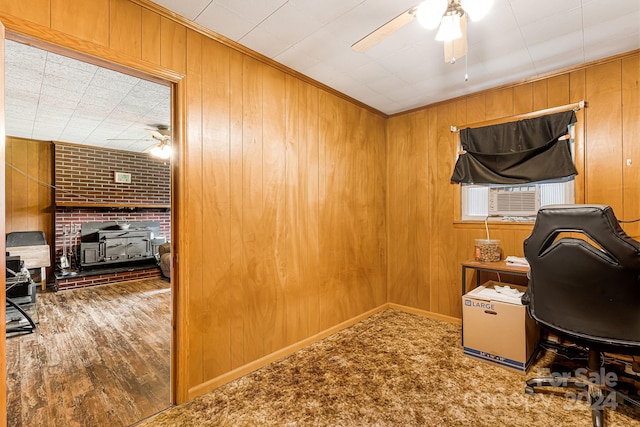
88,191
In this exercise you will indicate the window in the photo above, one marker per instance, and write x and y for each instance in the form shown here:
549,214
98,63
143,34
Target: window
475,198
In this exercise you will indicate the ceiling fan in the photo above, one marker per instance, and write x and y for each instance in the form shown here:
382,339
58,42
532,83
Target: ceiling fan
162,148
449,15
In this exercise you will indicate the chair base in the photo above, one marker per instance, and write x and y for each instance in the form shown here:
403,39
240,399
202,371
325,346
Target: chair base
591,384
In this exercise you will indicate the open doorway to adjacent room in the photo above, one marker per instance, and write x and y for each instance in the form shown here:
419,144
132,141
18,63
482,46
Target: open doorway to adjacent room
81,172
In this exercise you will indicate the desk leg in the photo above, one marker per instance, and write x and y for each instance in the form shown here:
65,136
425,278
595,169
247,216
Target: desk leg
464,280
43,278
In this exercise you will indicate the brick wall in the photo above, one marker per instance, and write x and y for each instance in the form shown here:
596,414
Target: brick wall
103,279
86,175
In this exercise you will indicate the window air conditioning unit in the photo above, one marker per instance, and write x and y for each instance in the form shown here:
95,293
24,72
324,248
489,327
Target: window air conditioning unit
514,201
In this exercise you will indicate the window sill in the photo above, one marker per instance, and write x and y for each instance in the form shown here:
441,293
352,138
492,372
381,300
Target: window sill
472,225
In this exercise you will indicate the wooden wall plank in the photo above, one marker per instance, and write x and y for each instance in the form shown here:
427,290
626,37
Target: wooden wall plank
309,175
33,186
423,249
499,104
558,90
236,281
273,222
402,210
434,185
85,20
216,208
604,148
540,95
46,208
373,169
336,211
37,11
19,186
254,308
448,289
296,301
191,242
523,99
150,30
630,145
577,93
125,27
172,45
476,109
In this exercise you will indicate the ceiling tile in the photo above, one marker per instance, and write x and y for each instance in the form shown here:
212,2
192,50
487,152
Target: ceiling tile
611,46
527,11
619,27
598,12
550,28
252,10
264,42
189,9
225,22
297,58
563,51
290,24
324,11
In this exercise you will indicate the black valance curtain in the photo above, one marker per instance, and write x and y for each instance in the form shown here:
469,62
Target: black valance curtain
516,152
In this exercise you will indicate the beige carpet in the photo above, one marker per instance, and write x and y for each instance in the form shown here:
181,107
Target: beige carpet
392,369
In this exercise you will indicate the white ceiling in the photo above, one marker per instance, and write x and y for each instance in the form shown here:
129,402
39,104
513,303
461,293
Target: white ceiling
51,97
517,39
54,98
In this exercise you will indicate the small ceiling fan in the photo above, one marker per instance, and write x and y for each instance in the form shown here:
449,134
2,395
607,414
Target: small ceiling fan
449,15
163,148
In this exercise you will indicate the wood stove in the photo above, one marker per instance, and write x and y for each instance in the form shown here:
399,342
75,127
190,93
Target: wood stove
111,242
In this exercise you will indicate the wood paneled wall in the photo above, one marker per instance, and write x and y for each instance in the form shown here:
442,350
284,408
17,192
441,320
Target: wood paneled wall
281,186
289,231
28,179
426,246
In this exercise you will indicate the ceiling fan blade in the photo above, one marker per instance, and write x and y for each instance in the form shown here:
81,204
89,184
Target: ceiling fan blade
384,31
129,139
157,134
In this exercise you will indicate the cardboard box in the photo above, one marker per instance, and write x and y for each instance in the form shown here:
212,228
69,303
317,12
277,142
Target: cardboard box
498,331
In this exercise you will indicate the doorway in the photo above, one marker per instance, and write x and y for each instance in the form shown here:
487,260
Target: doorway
93,344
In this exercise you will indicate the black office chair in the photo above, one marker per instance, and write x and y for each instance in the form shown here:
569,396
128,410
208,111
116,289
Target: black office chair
586,292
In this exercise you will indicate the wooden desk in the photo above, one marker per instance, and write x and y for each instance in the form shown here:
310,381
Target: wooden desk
34,257
491,267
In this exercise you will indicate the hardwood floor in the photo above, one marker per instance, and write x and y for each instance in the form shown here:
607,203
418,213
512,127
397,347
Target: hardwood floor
99,357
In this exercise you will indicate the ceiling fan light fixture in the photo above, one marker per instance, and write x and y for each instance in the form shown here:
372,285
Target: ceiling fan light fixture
476,9
429,13
162,151
449,28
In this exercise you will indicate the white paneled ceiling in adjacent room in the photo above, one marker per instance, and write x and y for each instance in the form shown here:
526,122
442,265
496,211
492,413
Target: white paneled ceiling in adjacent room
55,98
516,40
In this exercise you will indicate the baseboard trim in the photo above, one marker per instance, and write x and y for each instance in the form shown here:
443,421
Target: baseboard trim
425,313
279,354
